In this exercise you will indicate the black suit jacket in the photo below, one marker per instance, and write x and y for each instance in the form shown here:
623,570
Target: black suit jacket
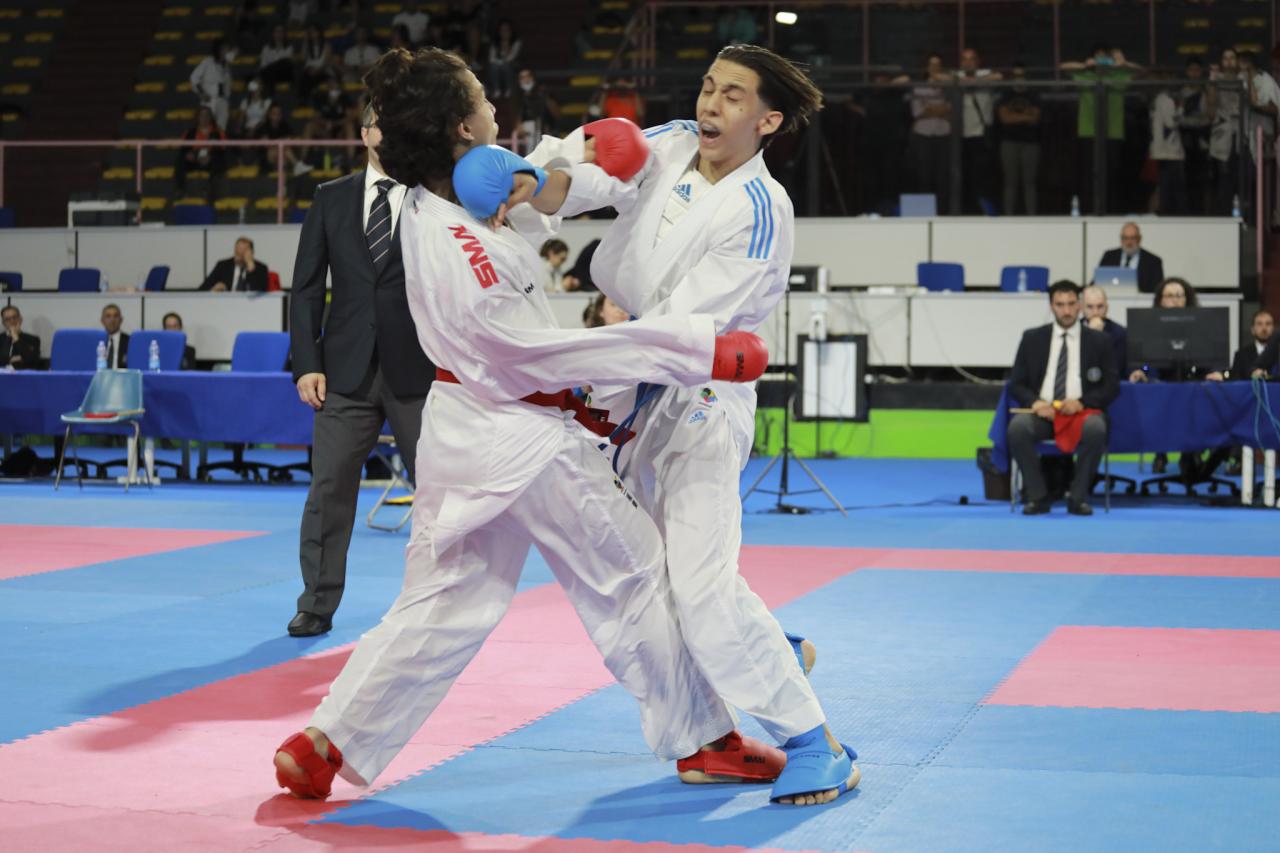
368,311
1100,380
188,358
1120,343
1269,359
27,347
225,271
123,358
1150,267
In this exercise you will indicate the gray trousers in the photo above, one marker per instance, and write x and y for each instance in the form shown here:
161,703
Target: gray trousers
1020,162
346,429
1026,430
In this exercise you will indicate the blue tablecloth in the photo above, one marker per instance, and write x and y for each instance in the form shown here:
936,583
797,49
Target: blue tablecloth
1171,416
257,408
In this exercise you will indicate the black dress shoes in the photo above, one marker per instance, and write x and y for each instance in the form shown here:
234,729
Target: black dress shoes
309,625
1035,507
1081,508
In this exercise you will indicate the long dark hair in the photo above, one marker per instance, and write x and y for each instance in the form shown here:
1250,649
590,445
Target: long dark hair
783,85
420,99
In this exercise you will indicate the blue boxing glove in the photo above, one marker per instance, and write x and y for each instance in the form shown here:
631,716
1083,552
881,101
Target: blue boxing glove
482,179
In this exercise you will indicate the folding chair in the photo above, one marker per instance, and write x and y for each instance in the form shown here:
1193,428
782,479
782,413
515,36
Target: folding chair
114,397
385,443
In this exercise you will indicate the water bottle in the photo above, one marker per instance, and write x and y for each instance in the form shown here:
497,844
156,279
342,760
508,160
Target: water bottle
153,356
1235,206
1075,205
102,355
1022,280
103,284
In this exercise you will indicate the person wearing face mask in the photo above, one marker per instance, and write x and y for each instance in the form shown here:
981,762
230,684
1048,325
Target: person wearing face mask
254,108
211,159
1110,67
1018,112
211,81
536,111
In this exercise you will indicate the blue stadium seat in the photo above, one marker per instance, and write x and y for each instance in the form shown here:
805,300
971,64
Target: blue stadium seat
157,278
12,281
940,276
75,349
260,352
171,346
1037,279
7,219
193,214
79,280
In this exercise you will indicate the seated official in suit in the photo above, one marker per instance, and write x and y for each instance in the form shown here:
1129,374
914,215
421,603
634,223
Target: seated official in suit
1269,359
1096,308
173,323
242,271
18,349
1131,254
1066,374
117,341
1246,358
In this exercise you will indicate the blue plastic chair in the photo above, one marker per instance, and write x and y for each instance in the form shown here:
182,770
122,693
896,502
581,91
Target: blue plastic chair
79,280
7,219
12,281
114,397
298,215
171,346
157,278
193,214
940,276
254,352
75,349
1037,279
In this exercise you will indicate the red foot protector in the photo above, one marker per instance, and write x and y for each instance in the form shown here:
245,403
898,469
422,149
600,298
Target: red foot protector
743,759
320,771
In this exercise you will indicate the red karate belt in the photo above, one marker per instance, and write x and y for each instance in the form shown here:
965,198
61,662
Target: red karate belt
1067,428
595,420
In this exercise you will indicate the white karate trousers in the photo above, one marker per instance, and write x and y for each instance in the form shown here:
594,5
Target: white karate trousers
685,468
606,553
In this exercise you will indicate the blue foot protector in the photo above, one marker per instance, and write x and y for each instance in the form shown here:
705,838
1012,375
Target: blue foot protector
811,768
796,640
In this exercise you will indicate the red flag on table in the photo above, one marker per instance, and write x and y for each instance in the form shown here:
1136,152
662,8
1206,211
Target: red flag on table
1067,428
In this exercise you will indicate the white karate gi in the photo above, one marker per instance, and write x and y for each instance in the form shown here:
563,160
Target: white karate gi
497,475
728,256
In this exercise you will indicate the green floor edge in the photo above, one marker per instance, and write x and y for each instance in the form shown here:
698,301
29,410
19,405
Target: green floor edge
890,434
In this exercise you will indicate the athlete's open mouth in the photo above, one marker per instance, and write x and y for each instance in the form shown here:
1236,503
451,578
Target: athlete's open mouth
708,132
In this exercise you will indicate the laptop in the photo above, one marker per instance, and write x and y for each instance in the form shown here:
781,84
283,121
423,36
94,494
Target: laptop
1116,276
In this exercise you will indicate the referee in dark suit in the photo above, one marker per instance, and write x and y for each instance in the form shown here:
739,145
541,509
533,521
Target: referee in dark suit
361,366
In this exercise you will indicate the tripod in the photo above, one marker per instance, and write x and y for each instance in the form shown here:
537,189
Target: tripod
786,454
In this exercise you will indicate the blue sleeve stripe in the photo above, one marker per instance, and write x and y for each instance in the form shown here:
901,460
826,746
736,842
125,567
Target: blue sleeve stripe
678,124
656,131
755,231
767,203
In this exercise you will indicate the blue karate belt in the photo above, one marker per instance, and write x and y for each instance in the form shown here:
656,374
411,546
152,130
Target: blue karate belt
646,393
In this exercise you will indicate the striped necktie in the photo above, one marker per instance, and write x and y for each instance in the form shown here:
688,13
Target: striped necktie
378,234
1060,373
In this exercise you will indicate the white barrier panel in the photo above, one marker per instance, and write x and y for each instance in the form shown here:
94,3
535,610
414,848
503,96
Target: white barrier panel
986,245
38,253
45,313
883,318
212,320
1204,251
863,252
126,255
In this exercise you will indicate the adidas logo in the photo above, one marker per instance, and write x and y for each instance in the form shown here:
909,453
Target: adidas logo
685,191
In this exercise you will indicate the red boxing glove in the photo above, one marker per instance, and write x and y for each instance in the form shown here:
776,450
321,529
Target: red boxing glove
621,149
740,357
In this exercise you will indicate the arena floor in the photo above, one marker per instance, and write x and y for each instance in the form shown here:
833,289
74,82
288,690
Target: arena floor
1046,684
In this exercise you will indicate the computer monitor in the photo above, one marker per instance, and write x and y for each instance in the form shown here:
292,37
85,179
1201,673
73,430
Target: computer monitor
808,279
1115,277
1180,338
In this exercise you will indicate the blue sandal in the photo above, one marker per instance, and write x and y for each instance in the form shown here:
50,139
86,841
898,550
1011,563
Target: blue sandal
812,769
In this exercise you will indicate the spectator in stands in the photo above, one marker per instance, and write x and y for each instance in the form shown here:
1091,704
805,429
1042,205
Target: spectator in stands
302,12
536,111
1131,254
555,252
603,311
211,81
276,62
360,55
1062,370
400,38
240,272
253,109
1109,67
1224,132
1167,151
276,127
172,322
1196,100
622,100
1018,114
931,134
504,52
208,158
317,61
978,164
18,349
1263,107
332,120
1095,315
736,26
579,277
117,341
415,22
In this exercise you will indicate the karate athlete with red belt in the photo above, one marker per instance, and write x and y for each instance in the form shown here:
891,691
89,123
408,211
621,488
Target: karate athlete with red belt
703,228
511,464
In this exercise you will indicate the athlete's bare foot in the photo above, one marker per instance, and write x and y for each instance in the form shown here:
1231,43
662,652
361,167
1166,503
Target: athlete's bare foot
810,653
819,798
287,766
